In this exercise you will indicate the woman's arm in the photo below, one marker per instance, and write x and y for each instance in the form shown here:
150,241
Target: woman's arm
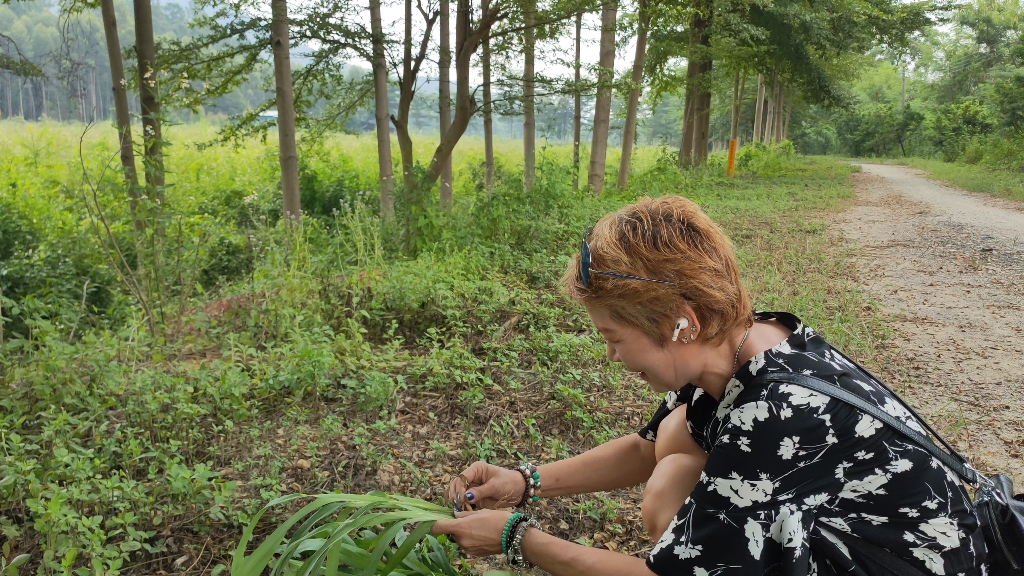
621,463
479,534
560,558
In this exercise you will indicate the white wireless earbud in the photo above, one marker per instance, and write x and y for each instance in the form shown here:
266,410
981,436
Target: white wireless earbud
682,323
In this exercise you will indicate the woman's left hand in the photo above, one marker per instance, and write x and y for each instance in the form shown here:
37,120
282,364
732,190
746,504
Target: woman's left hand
478,533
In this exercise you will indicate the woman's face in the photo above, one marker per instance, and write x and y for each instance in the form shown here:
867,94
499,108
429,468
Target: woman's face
663,368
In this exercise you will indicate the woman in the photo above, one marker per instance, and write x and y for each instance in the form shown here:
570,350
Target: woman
784,481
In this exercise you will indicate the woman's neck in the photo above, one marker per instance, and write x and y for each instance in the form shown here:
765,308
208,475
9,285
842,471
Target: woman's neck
722,360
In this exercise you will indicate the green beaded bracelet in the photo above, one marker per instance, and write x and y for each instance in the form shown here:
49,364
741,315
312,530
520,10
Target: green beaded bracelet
508,526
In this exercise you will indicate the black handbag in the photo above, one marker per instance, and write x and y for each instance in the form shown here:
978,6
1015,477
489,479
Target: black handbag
1000,512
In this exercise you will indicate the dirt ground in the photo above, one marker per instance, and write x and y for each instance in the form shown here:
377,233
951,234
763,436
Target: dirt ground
947,266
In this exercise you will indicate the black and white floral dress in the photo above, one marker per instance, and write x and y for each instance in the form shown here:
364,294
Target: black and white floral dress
793,474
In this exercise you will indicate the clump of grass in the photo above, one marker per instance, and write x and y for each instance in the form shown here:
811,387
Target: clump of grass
323,543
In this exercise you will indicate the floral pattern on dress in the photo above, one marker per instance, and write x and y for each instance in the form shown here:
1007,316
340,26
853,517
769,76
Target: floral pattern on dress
791,474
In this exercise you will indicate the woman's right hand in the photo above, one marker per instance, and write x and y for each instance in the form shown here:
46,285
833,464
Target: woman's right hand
488,486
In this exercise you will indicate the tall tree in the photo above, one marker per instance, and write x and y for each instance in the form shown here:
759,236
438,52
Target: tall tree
485,61
702,21
738,87
467,39
149,100
529,112
385,173
287,153
780,101
689,107
637,78
759,108
444,98
119,86
577,110
407,89
603,105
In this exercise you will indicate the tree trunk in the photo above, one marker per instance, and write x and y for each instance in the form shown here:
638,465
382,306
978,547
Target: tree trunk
739,86
124,120
759,108
152,140
43,84
689,106
287,153
92,95
785,125
529,118
769,122
385,174
780,104
467,40
603,105
32,100
444,98
702,101
485,59
407,84
629,131
81,102
577,111
407,91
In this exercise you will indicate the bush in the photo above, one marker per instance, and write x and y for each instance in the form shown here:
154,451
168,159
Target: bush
329,182
955,125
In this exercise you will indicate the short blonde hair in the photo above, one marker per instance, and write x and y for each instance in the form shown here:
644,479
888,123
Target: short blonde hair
671,239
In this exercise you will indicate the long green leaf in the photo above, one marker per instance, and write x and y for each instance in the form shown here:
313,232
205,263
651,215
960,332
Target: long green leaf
289,551
254,564
410,542
383,544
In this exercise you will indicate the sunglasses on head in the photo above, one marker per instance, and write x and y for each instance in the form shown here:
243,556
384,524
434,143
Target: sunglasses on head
586,271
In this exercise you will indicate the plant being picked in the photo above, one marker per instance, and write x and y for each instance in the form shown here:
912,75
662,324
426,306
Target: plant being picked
339,535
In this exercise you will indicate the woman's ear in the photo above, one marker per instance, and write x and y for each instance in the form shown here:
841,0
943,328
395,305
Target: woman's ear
686,326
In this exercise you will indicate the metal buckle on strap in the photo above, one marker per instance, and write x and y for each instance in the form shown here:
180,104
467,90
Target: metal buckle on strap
980,480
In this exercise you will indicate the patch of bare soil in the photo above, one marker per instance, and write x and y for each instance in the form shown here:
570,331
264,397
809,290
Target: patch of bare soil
948,268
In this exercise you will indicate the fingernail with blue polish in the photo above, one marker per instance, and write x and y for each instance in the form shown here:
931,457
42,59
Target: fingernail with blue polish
470,496
457,509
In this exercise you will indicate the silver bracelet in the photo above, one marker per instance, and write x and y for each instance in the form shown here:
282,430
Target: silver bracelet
515,549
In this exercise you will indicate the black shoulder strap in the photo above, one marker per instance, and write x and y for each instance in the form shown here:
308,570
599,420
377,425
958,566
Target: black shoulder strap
952,459
923,422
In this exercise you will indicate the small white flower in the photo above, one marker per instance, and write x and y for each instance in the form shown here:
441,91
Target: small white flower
688,551
789,447
900,465
816,499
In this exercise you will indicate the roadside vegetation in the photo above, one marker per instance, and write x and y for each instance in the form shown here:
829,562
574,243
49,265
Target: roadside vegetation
951,104
332,356
1002,183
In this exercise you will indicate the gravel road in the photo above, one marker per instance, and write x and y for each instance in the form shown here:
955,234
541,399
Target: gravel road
948,267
